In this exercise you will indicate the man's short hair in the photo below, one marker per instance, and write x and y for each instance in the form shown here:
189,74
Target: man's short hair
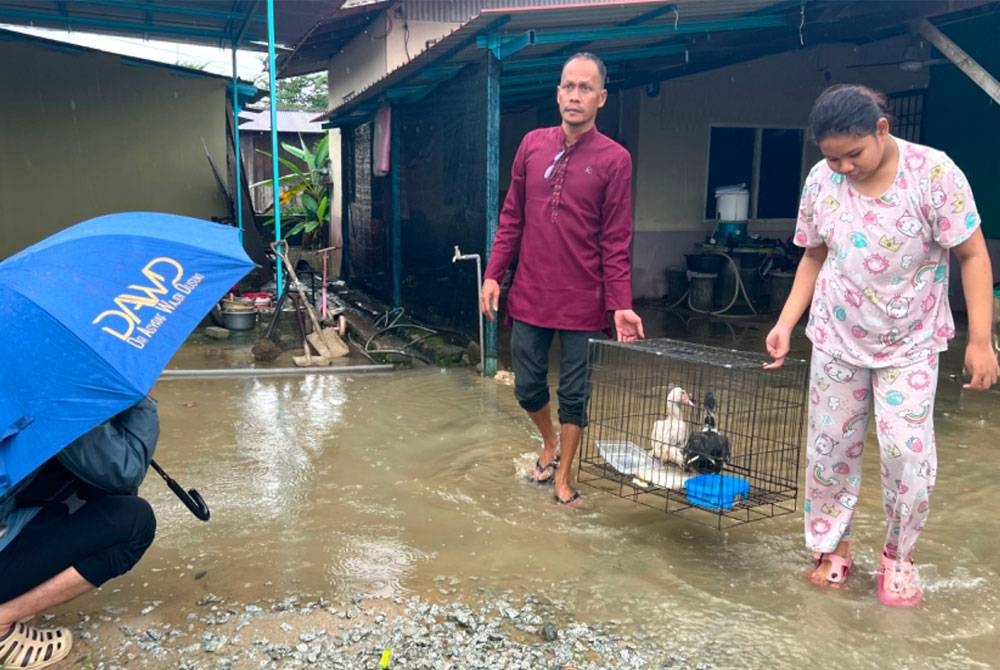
586,55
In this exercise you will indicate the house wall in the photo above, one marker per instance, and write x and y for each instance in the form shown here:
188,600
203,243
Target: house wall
670,154
365,60
378,51
399,44
358,66
86,134
955,102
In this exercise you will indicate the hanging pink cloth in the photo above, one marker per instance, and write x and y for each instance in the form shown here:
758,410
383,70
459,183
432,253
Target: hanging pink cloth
383,133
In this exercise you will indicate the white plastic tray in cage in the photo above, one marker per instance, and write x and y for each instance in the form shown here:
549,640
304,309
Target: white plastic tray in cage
628,458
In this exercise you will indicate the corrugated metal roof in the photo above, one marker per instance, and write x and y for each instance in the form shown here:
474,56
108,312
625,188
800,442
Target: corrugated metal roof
639,40
196,21
288,121
209,22
460,47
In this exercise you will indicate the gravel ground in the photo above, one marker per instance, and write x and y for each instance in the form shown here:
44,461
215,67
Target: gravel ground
296,632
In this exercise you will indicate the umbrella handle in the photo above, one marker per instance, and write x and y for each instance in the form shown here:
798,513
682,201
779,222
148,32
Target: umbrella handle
191,498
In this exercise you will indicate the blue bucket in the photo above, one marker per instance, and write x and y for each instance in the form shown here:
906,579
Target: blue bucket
730,232
716,491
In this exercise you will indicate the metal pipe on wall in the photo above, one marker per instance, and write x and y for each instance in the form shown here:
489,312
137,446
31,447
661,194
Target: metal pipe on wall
459,256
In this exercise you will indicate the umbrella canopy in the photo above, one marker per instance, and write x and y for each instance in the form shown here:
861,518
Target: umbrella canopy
90,316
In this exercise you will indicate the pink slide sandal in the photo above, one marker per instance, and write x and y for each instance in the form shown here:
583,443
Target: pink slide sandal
899,583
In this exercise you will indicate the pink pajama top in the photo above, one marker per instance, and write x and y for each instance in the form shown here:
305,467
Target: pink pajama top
881,297
568,218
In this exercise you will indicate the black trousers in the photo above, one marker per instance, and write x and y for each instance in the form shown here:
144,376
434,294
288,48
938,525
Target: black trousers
102,539
530,357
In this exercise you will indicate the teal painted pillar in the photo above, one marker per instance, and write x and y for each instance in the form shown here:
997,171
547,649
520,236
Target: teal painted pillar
238,160
492,190
396,237
273,92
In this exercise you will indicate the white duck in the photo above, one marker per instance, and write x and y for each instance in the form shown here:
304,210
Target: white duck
670,434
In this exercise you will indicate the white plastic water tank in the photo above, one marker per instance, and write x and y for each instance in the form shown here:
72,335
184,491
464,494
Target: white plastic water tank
732,204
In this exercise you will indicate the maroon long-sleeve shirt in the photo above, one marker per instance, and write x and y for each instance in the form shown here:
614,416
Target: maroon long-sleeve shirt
568,219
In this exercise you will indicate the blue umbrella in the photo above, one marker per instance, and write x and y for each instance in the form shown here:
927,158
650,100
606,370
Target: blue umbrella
90,316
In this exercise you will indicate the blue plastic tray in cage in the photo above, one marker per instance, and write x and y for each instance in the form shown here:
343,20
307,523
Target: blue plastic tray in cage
716,491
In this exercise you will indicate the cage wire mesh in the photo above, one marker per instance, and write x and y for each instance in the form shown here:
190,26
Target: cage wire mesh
695,430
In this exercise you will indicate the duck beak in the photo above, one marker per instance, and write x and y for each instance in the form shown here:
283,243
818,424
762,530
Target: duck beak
687,400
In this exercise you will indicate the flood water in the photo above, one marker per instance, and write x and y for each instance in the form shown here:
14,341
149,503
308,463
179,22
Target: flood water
413,482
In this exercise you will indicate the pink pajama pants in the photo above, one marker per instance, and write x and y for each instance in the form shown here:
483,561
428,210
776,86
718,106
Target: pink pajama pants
841,397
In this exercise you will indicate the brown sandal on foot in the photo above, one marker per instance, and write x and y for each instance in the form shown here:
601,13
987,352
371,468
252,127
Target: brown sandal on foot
28,648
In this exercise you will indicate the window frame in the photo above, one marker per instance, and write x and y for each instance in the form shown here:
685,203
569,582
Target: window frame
754,186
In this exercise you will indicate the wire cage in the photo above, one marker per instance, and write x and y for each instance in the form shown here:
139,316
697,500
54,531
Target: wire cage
695,430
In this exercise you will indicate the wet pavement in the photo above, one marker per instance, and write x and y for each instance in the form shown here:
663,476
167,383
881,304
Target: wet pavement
391,508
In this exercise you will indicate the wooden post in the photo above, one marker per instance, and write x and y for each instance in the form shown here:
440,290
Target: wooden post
962,60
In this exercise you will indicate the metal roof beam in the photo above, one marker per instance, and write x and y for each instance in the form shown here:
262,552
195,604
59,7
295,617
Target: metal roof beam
607,57
128,26
163,8
634,21
659,30
439,71
245,22
505,45
395,94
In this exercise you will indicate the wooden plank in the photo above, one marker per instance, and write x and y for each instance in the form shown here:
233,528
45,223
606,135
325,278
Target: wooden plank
963,61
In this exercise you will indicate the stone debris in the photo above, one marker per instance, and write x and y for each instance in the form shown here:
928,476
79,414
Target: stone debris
297,633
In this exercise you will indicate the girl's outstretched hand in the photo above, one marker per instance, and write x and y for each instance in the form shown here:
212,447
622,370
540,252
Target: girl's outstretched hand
778,343
981,364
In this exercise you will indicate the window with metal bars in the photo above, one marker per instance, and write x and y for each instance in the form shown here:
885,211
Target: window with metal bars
907,109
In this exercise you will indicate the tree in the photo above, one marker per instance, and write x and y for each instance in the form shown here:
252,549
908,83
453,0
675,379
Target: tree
305,92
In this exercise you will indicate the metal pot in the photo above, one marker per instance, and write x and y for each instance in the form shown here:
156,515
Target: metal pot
239,320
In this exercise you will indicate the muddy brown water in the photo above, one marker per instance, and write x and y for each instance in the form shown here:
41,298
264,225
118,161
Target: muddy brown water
413,483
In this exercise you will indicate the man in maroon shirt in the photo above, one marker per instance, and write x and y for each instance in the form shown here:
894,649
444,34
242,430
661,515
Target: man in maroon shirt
568,219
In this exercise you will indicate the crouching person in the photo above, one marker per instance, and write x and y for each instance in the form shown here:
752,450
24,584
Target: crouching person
72,526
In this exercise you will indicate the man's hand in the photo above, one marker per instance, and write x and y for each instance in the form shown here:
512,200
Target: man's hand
778,343
628,326
981,364
489,299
